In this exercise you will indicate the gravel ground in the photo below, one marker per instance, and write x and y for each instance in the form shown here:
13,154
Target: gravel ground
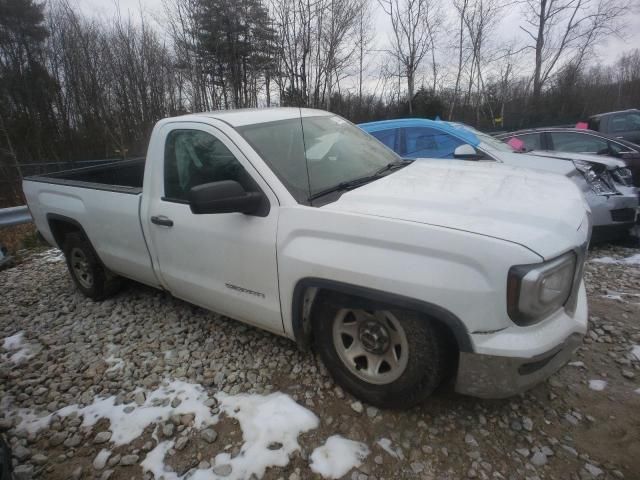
583,423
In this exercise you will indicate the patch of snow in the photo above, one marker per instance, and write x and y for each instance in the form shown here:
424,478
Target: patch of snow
613,297
115,363
53,255
337,456
18,348
632,260
385,444
597,385
154,462
13,342
270,428
635,351
576,364
128,426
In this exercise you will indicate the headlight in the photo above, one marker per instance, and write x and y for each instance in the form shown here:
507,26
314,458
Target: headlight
594,176
535,291
623,176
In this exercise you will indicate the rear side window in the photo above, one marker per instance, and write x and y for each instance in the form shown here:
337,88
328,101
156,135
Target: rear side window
388,137
618,123
578,143
192,158
423,142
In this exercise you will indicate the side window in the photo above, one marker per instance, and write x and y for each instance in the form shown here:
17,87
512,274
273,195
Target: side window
633,121
576,142
193,157
618,123
532,141
388,137
423,142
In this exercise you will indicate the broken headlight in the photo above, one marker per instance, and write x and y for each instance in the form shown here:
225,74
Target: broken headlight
596,176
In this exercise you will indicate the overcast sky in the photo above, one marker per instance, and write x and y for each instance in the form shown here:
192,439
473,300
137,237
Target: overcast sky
507,30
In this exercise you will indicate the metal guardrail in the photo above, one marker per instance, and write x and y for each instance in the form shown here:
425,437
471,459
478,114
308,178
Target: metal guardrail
14,216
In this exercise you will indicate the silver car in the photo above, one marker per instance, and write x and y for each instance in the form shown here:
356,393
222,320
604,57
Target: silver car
609,190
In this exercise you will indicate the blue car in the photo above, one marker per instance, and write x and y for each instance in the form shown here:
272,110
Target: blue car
422,138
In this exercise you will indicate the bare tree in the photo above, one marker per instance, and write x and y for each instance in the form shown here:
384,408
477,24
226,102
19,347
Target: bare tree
561,31
411,38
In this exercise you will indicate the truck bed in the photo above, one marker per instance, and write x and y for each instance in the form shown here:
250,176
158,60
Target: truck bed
124,176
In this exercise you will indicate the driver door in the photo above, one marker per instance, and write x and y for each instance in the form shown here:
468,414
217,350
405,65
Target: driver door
223,262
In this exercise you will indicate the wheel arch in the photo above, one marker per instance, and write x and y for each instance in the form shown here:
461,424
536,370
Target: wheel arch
61,225
307,289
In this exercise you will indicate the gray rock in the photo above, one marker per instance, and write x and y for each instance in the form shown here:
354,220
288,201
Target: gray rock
181,443
140,398
5,424
57,439
77,473
129,460
357,407
39,459
209,435
106,475
73,441
470,440
593,470
538,459
101,460
417,467
102,437
23,472
223,470
21,453
168,429
524,452
527,424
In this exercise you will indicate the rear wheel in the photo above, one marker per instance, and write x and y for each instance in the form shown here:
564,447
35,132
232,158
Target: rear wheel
388,357
89,275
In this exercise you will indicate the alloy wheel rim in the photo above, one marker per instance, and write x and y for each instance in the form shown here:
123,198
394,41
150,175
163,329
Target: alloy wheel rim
81,268
371,344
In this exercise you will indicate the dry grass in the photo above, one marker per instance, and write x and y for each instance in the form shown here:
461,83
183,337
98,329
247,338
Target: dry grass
20,237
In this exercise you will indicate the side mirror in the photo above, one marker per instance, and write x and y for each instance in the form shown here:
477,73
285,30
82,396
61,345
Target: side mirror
226,196
466,152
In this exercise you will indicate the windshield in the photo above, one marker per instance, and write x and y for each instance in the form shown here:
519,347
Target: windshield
312,154
491,142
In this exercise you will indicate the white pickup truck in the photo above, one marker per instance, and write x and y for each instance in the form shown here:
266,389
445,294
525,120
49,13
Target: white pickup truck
400,274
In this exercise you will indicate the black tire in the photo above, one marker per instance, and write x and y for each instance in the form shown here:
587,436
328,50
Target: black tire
426,367
95,281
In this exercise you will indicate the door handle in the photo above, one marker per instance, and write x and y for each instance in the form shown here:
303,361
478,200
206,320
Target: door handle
162,220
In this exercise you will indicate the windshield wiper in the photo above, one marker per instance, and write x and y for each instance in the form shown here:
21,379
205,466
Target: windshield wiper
357,182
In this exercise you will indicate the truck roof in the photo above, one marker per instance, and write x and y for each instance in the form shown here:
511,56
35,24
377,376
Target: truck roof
250,116
605,114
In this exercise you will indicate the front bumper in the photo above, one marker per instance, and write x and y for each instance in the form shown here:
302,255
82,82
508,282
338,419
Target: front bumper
516,359
605,210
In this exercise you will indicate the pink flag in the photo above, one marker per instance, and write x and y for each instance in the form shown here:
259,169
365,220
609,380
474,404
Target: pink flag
516,144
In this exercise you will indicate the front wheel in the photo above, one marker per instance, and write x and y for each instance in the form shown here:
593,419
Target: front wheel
86,270
388,357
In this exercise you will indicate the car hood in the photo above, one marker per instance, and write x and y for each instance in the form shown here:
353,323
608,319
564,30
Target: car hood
610,162
562,166
543,212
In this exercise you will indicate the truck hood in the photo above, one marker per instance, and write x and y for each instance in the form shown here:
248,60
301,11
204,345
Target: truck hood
541,211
